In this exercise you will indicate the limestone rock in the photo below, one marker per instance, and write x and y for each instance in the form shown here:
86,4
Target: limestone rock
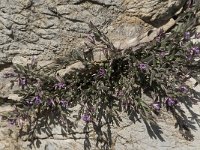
14,97
20,60
49,28
6,108
73,67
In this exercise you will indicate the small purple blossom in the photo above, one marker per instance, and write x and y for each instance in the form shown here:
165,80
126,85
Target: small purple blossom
91,38
101,72
120,93
37,100
158,38
189,58
187,35
163,54
64,103
86,118
50,102
22,81
142,66
195,50
59,86
160,35
170,102
183,89
156,106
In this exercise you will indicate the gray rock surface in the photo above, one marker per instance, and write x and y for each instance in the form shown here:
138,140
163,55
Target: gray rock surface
48,28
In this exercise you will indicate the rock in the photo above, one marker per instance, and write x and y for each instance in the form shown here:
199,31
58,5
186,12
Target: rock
190,82
198,29
99,56
50,146
7,32
71,68
4,40
6,84
6,108
14,97
44,63
21,60
19,19
2,146
30,27
125,44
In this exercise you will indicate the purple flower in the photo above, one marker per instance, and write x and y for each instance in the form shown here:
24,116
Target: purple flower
187,35
91,38
160,35
120,93
64,103
59,86
37,100
50,102
170,102
102,72
156,106
22,81
183,89
195,50
86,118
189,57
142,66
163,54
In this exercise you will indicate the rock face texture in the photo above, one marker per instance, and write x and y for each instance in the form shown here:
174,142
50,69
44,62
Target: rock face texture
52,28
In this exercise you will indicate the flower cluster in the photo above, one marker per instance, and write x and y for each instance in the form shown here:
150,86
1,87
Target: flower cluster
156,106
102,72
59,86
170,102
143,66
37,100
86,118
